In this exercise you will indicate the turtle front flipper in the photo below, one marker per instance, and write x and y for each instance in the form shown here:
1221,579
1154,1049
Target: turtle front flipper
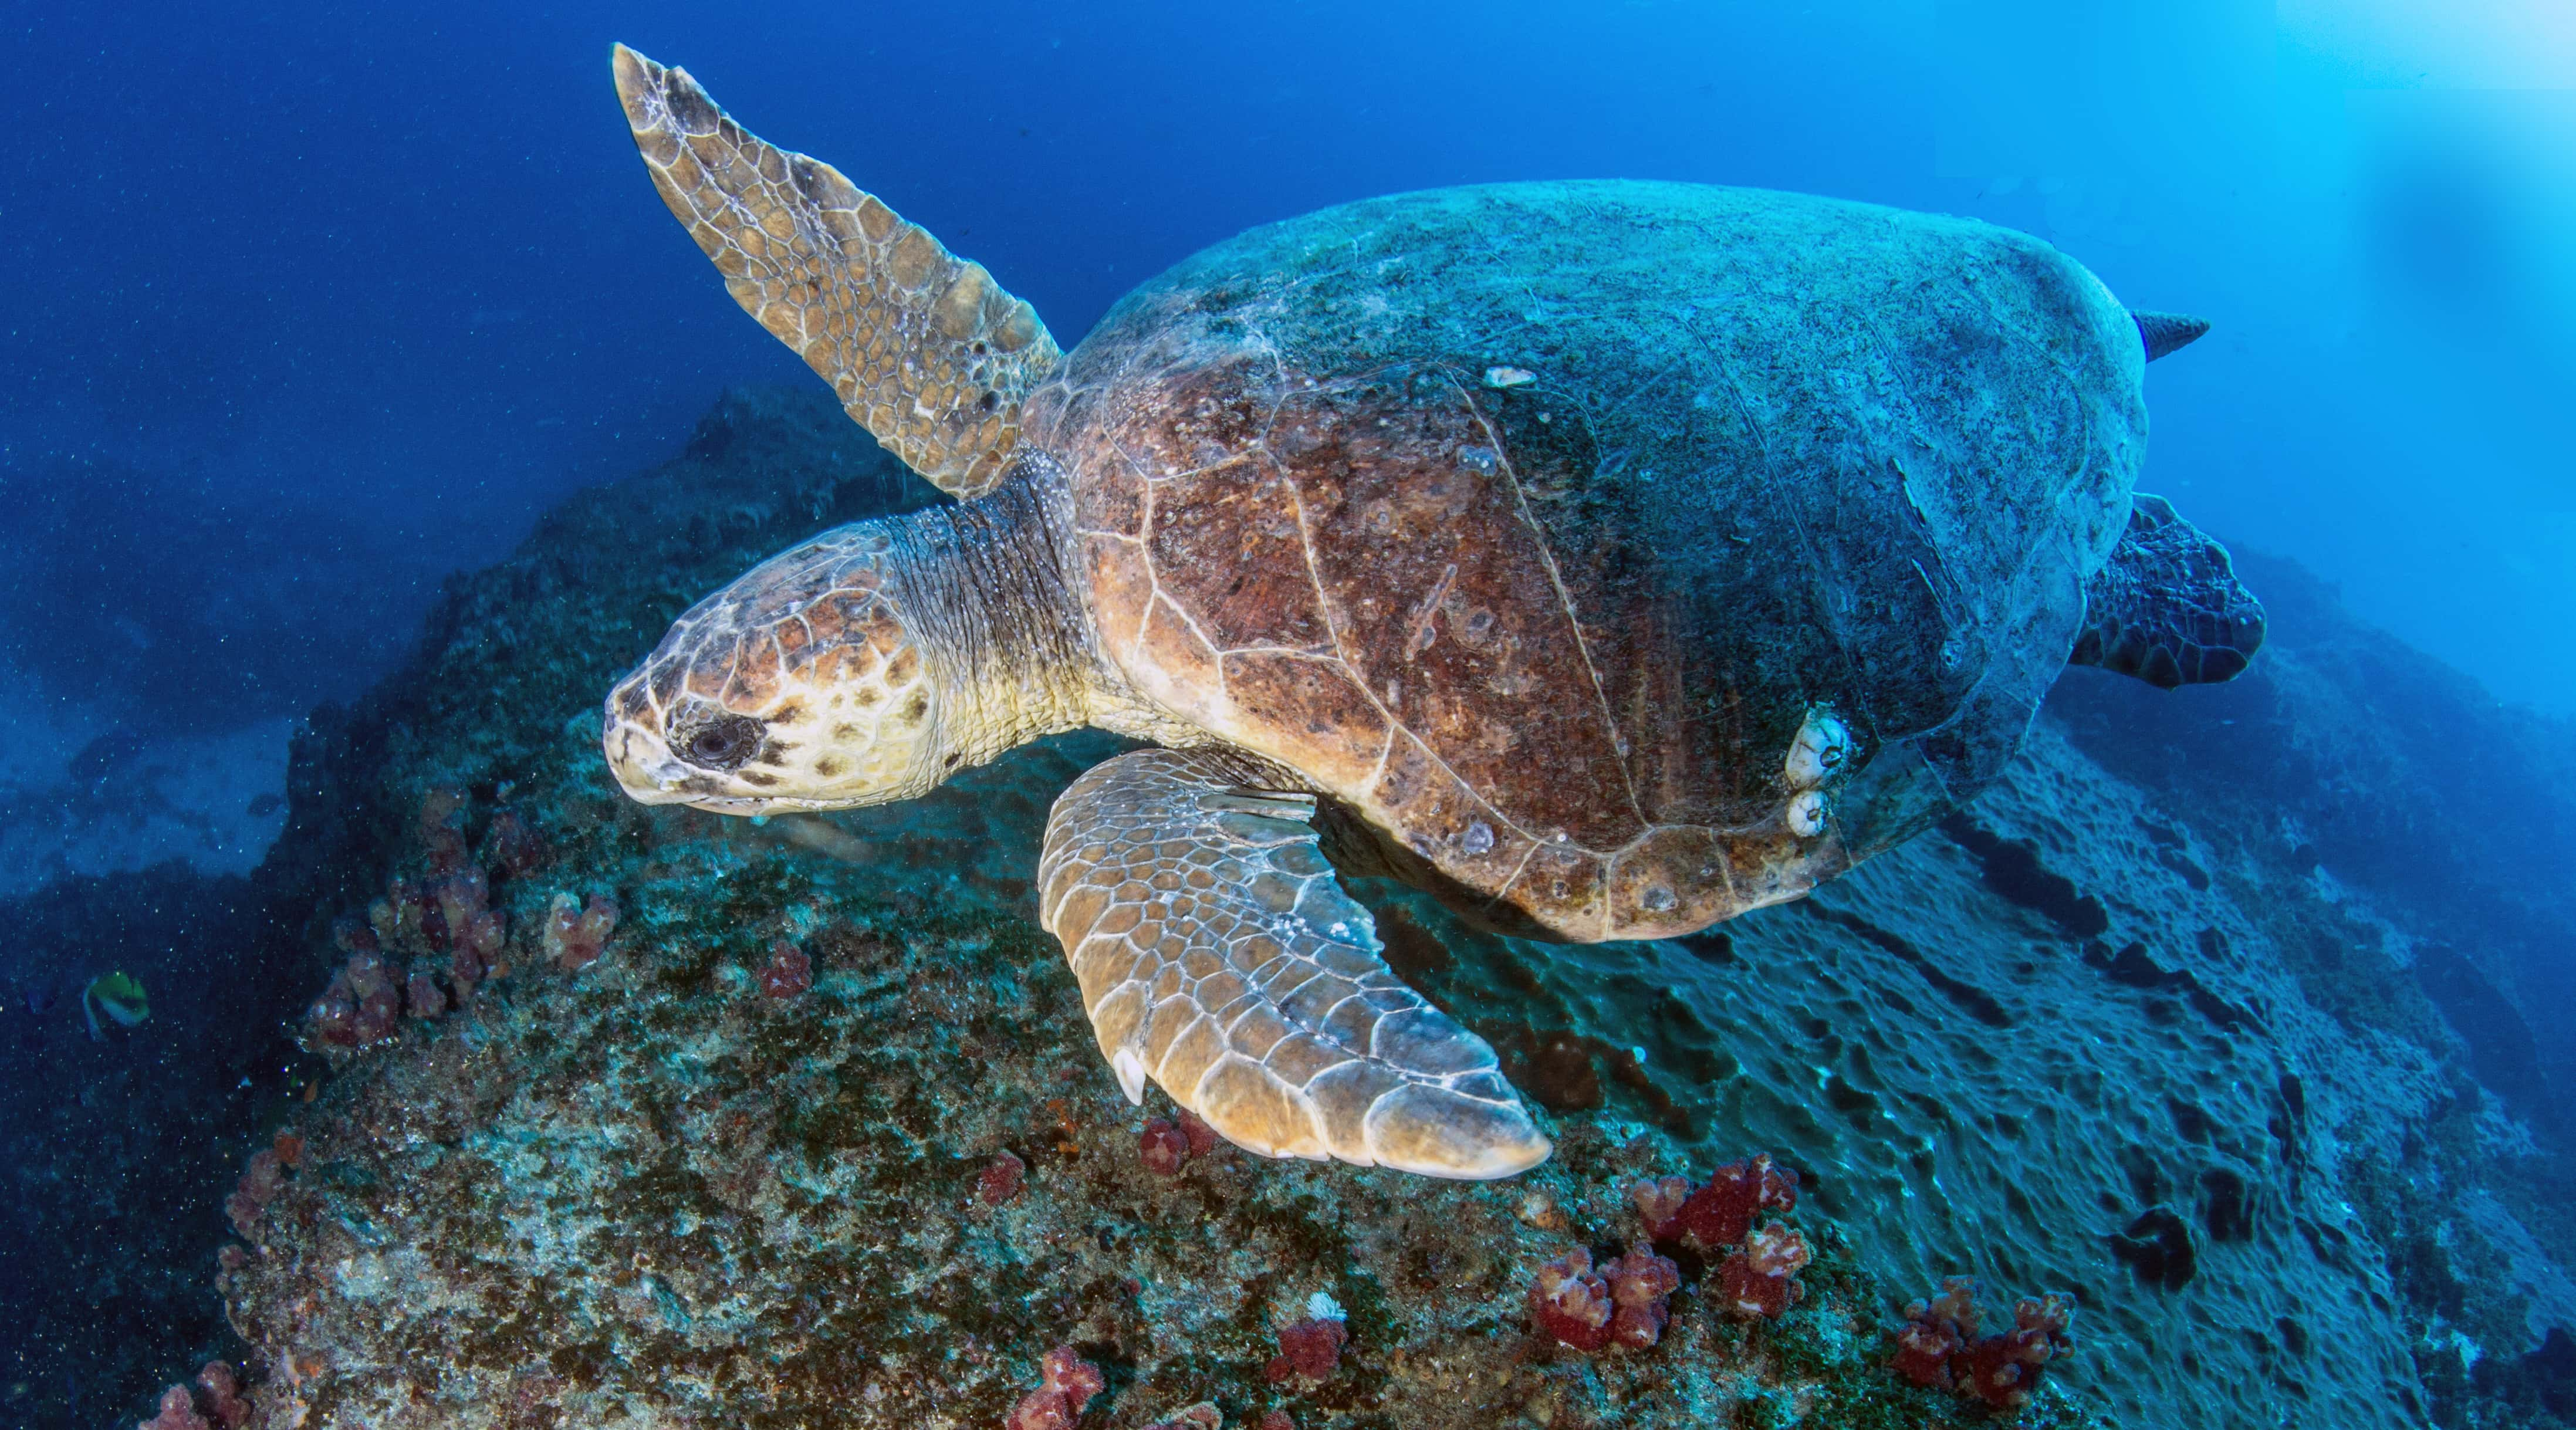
924,349
1219,956
2167,607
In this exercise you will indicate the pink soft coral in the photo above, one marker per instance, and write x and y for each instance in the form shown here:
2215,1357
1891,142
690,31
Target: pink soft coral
1720,1213
1069,1383
1640,1283
1939,1346
1762,1279
1309,1350
577,932
1162,1147
223,1395
178,1412
789,972
1625,1303
1001,1178
1571,1304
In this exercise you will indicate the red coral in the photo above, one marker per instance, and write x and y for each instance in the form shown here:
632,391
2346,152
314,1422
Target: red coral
442,828
1070,1382
351,935
1625,1303
475,932
1639,1283
577,932
1277,1420
423,996
1571,1304
362,1006
1001,1179
1938,1346
260,1181
1720,1213
330,1018
513,846
1163,1147
178,1412
1762,1279
1659,1201
1308,1350
223,1395
1202,1138
461,896
788,973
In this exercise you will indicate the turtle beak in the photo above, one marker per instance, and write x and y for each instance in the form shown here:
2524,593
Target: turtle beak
645,767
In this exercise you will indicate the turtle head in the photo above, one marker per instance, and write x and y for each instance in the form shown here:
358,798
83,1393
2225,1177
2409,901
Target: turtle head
801,686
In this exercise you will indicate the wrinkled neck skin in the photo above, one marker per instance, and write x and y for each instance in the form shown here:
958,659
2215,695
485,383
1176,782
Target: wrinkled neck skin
989,599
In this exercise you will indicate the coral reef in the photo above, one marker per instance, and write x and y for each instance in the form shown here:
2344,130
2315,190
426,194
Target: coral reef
623,1183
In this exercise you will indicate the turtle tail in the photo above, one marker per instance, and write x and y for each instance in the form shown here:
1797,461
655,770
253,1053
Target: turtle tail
2167,607
2164,332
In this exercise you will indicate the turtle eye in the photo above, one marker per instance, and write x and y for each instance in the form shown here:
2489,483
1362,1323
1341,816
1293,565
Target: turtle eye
722,743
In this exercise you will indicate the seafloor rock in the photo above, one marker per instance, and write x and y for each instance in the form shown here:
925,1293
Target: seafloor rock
2056,1046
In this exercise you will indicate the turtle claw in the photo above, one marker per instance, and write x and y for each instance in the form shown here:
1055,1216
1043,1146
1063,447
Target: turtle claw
1219,957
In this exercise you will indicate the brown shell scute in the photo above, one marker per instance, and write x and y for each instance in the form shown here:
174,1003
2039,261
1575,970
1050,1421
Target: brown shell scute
1416,527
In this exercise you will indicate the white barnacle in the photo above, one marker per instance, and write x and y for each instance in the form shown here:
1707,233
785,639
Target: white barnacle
1823,747
1807,814
1508,376
1478,839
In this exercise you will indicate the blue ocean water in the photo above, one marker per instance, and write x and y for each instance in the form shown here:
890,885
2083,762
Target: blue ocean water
303,306
321,303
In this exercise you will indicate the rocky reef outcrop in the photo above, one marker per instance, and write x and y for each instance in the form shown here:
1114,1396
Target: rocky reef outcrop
814,1132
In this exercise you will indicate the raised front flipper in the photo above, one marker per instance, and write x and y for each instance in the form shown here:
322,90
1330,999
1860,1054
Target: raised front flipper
1218,956
925,350
2167,607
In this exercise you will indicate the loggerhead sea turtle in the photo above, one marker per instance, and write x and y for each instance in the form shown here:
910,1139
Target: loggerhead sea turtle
1608,558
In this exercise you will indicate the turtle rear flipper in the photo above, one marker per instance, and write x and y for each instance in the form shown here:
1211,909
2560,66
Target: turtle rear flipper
924,349
2167,607
1218,956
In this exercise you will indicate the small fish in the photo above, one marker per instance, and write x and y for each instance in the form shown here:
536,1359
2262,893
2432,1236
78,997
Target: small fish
120,996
